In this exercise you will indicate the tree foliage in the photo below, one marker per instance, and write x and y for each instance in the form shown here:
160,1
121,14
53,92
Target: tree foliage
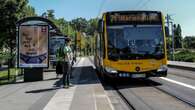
86,28
189,42
28,11
185,56
79,24
10,12
92,26
50,15
178,36
13,10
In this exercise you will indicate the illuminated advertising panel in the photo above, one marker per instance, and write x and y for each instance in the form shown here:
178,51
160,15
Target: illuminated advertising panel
33,46
125,18
54,43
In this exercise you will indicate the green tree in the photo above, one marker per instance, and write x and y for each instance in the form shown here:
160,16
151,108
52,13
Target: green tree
10,11
92,26
29,11
62,24
169,42
65,27
178,36
79,24
189,42
50,15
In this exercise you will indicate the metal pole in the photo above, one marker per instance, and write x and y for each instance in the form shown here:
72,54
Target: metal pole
173,35
173,41
68,29
8,69
75,45
168,25
168,21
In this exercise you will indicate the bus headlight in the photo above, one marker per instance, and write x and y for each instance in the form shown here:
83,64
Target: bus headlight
110,70
162,68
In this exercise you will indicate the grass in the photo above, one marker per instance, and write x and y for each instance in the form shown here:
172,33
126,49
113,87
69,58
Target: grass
4,76
184,55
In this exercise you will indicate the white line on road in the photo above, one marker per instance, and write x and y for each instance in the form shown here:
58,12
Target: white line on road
110,103
179,83
95,101
61,100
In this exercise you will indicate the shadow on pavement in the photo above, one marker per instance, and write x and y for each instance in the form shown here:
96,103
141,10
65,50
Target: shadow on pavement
56,85
137,83
87,76
125,83
83,76
41,90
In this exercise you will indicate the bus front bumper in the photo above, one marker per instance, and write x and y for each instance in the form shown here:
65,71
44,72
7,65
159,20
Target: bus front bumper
138,74
161,72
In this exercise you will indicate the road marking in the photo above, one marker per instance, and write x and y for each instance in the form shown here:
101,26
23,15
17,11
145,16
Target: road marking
179,83
106,94
61,100
109,101
95,101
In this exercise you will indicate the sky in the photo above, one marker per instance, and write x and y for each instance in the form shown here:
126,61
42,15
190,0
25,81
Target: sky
182,11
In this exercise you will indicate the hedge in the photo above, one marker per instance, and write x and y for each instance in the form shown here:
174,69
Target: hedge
185,56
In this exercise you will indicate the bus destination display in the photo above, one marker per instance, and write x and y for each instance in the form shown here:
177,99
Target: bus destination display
133,18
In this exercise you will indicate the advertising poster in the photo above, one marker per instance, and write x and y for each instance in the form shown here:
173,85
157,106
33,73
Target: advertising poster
33,46
55,43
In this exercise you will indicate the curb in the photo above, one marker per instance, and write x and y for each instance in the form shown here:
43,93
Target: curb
181,67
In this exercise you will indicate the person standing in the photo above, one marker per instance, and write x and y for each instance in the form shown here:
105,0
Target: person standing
64,60
67,64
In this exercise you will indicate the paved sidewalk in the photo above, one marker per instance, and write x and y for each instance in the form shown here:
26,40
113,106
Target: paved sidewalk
187,64
28,96
86,94
182,65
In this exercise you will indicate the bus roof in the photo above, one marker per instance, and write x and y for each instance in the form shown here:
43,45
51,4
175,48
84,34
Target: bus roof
133,11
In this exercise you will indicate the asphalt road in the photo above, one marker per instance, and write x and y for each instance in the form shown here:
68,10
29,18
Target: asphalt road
157,93
144,95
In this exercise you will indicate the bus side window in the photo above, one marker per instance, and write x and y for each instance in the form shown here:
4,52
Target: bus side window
98,45
101,54
100,26
100,39
102,45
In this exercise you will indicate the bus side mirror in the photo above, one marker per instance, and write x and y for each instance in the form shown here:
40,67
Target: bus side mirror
100,26
167,31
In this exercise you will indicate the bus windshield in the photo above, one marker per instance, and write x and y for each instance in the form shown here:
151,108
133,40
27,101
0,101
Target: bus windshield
140,42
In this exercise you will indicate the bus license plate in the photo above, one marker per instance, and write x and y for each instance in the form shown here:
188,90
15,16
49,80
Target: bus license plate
138,75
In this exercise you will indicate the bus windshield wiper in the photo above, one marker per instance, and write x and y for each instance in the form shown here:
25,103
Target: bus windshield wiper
155,56
114,57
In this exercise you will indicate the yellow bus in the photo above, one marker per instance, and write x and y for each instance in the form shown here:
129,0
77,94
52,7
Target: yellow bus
131,44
